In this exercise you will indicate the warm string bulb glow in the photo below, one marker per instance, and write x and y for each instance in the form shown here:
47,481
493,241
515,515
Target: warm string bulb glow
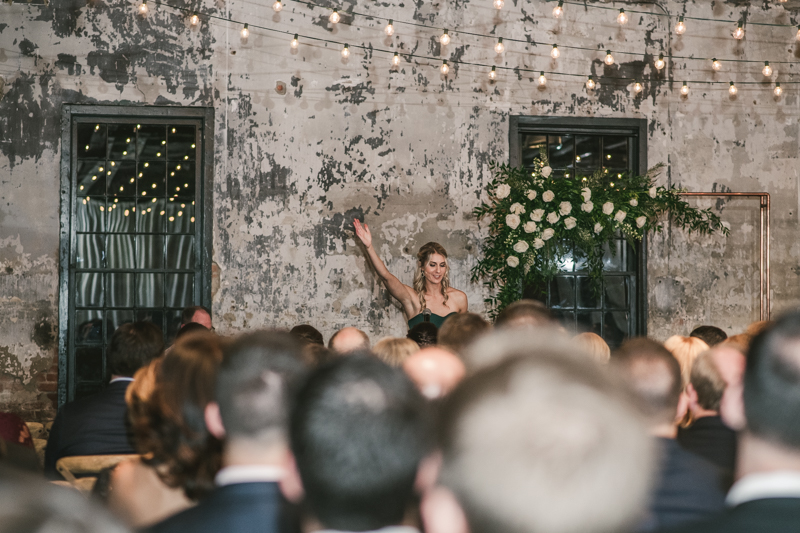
555,53
716,65
194,20
732,89
395,59
542,80
637,87
389,29
444,40
685,89
277,6
767,70
797,37
559,9
335,18
622,18
493,74
609,59
143,8
346,51
245,32
591,84
738,33
295,41
680,27
498,4
500,47
778,91
660,63
445,67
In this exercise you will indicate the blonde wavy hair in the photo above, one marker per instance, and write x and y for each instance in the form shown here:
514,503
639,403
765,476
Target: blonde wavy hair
423,256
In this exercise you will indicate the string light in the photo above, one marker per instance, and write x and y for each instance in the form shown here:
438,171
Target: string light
335,18
778,91
660,63
498,4
277,6
680,27
622,18
767,70
738,33
396,59
732,89
245,32
716,65
637,87
445,68
143,8
542,80
194,20
295,41
591,84
609,60
346,51
559,9
493,74
500,47
389,29
685,89
555,53
797,37
445,38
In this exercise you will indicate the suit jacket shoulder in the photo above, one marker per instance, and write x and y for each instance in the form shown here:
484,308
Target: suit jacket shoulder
770,515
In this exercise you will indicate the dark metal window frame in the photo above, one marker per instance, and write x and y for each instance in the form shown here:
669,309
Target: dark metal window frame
635,127
73,114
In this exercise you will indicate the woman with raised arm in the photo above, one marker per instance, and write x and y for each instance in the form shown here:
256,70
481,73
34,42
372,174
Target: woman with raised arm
431,290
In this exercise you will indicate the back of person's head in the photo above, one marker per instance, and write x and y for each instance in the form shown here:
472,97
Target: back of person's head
545,441
711,335
259,374
739,342
132,346
594,345
758,327
358,432
653,375
772,383
191,327
525,313
394,350
424,334
685,350
204,316
460,330
500,344
707,382
349,340
315,355
435,371
307,334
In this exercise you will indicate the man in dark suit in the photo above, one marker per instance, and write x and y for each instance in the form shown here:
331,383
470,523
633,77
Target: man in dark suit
97,424
765,409
255,383
687,487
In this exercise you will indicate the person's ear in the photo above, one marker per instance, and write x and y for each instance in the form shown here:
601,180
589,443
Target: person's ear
691,395
731,407
214,420
441,512
683,407
291,484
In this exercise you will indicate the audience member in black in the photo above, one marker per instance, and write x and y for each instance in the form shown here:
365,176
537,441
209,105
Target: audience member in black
349,340
307,334
688,487
256,381
424,334
359,431
196,314
96,425
191,327
525,314
711,335
460,330
315,355
765,410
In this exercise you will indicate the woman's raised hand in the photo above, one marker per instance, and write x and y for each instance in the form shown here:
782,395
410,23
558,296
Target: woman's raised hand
363,233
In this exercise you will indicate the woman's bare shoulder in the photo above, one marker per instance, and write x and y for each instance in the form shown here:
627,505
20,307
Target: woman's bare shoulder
459,297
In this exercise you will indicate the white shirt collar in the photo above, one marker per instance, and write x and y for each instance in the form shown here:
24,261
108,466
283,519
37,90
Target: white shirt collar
119,379
779,484
388,529
231,475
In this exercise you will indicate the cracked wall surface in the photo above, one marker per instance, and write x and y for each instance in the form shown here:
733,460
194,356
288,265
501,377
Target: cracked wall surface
408,150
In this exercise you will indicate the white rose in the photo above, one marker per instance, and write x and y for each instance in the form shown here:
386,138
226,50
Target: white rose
608,208
620,216
565,208
546,171
521,247
586,193
552,218
531,194
548,234
512,221
598,228
634,202
502,191
548,196
529,227
652,192
537,215
570,222
641,221
538,243
517,208
588,206
513,261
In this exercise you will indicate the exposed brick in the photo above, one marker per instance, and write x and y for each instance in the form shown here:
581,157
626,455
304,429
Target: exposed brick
51,377
47,387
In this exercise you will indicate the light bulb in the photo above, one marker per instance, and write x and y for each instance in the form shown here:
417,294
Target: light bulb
732,89
445,68
715,64
335,18
685,89
591,84
245,32
346,51
542,80
143,8
660,63
622,18
555,53
389,29
559,9
277,6
637,87
444,39
498,4
395,59
194,20
778,91
738,33
609,60
295,41
767,70
493,74
500,47
680,27
798,33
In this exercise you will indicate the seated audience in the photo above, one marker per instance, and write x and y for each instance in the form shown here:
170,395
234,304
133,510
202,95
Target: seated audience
594,345
541,442
765,409
492,349
307,334
16,444
740,342
393,350
424,334
315,355
435,371
96,425
460,330
359,431
191,327
196,314
711,335
525,313
757,328
349,340
255,384
685,350
687,487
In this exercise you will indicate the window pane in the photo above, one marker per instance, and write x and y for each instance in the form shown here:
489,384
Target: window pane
181,180
150,252
89,251
589,321
587,155
616,327
586,295
180,217
562,292
181,143
180,251
122,179
88,326
120,290
152,215
89,289
152,179
120,251
116,318
89,213
566,319
616,292
92,141
173,323
122,141
531,146
91,178
156,316
631,264
121,215
565,263
149,290
180,288
561,150
615,152
152,142
613,260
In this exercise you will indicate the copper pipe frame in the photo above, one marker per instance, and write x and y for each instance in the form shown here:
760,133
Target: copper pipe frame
764,241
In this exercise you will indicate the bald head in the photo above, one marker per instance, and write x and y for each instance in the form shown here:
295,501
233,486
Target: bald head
729,363
435,371
348,340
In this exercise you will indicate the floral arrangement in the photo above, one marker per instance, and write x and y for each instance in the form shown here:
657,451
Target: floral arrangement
536,220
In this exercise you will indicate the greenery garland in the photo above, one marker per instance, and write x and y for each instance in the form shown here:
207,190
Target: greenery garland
536,220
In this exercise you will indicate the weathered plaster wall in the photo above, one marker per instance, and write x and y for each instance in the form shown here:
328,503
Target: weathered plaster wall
408,149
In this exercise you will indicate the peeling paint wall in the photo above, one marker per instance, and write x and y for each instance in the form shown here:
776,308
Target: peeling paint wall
408,150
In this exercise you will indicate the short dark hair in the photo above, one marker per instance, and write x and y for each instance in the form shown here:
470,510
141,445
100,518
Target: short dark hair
255,384
707,382
132,346
525,313
189,328
772,382
460,329
711,335
424,334
358,432
306,333
644,364
188,313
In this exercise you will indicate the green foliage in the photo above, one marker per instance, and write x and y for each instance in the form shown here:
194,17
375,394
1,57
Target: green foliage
534,220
